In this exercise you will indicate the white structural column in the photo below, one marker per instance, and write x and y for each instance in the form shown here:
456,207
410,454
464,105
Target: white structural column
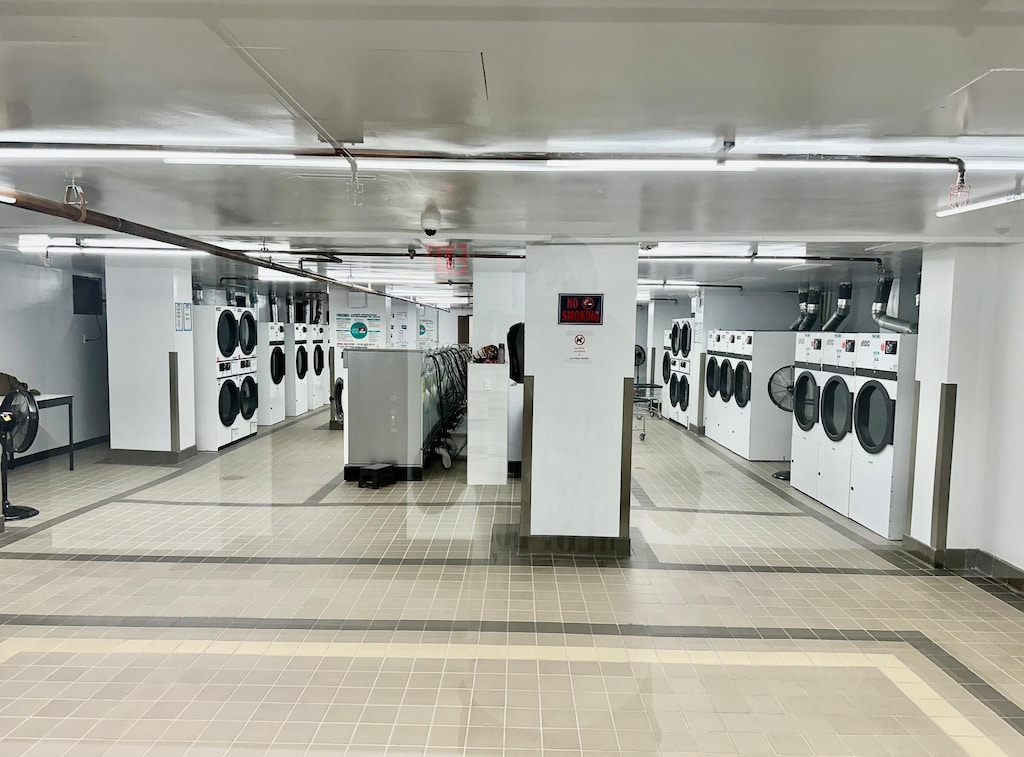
152,388
961,413
578,435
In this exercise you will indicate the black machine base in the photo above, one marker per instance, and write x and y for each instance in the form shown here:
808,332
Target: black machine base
17,512
782,475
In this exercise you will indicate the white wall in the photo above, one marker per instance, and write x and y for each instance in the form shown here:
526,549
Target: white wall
447,328
758,311
42,344
577,417
499,300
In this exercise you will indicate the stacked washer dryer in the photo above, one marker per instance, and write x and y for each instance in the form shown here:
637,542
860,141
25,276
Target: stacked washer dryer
682,339
666,376
296,351
808,381
883,421
317,379
273,366
226,391
745,420
835,408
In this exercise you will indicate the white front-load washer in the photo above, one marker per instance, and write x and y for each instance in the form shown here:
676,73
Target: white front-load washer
717,343
248,396
296,350
317,379
248,333
807,382
835,429
679,391
666,375
883,417
272,368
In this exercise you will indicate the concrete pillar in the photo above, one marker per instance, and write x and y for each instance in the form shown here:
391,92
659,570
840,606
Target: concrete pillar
578,422
150,358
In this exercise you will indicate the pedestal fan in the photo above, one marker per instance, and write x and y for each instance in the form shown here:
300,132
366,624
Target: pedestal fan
781,388
19,424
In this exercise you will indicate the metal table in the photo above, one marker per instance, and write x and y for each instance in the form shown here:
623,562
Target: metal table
45,401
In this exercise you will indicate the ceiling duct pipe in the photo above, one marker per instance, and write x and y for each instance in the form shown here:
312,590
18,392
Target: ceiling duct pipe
881,304
813,310
844,304
803,310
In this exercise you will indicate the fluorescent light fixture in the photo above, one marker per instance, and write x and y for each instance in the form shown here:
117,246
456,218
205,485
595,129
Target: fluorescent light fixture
234,159
643,165
74,153
129,251
42,243
699,249
995,202
994,165
781,250
668,283
269,274
7,199
803,164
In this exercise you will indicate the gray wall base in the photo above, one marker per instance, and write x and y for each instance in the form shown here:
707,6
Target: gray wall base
149,457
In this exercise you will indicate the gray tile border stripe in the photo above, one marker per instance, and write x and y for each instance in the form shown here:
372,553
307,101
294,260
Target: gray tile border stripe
646,503
308,503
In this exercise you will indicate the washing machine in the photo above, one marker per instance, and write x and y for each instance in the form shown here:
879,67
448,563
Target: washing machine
317,379
248,333
679,391
835,427
214,335
296,352
883,415
247,379
272,367
713,407
808,380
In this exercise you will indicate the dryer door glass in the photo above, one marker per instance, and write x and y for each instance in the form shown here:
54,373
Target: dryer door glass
676,345
248,398
711,377
874,417
836,408
318,359
301,362
685,340
228,403
684,393
227,333
278,365
673,390
742,384
726,381
666,368
247,333
805,401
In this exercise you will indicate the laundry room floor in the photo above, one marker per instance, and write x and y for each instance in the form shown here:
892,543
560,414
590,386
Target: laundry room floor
252,603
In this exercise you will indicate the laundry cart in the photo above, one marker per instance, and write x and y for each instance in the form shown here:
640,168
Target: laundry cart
646,404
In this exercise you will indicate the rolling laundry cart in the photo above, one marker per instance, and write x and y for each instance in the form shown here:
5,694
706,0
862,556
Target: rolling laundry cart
646,403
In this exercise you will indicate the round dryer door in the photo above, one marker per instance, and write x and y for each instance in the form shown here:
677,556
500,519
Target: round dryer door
666,368
673,390
836,408
278,365
684,392
805,401
676,339
726,381
711,379
685,339
248,398
318,360
247,333
227,333
301,362
742,384
228,402
874,417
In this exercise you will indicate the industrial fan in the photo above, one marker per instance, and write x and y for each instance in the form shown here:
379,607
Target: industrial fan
19,424
781,389
639,358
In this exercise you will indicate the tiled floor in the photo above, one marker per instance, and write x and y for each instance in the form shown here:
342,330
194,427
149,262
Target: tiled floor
252,603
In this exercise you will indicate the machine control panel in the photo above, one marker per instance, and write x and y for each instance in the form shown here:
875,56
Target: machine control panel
878,352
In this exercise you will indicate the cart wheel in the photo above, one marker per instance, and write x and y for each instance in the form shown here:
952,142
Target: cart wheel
446,458
643,436
451,446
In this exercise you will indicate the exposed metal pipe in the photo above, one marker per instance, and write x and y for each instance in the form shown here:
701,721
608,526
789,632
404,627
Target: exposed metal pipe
813,309
802,294
844,305
81,214
881,303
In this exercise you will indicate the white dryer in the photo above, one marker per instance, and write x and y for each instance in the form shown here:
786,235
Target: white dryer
215,350
214,334
679,391
666,375
883,415
296,352
712,403
248,396
808,380
317,379
273,366
248,334
835,408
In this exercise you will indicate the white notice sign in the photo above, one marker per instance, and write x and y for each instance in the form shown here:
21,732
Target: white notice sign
578,344
359,330
427,338
401,337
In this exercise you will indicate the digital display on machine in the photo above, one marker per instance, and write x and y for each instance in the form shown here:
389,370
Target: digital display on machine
815,344
890,348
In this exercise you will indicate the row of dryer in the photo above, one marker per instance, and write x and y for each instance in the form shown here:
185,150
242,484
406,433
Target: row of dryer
681,369
250,374
851,434
739,413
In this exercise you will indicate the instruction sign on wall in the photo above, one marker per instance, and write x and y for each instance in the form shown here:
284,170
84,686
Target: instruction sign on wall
587,309
359,330
401,336
182,316
578,344
427,337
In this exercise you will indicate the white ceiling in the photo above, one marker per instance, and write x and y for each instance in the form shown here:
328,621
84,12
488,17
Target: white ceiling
926,77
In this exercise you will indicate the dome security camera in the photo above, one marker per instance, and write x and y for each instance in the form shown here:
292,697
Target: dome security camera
431,220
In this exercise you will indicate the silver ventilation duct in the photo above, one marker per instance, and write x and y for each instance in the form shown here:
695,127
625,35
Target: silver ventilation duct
813,310
881,304
272,306
803,310
844,304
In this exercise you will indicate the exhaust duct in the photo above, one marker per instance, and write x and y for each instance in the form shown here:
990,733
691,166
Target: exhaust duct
844,304
803,310
881,304
813,310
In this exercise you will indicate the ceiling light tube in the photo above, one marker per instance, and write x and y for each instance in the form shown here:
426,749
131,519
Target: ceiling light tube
643,165
995,202
8,199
